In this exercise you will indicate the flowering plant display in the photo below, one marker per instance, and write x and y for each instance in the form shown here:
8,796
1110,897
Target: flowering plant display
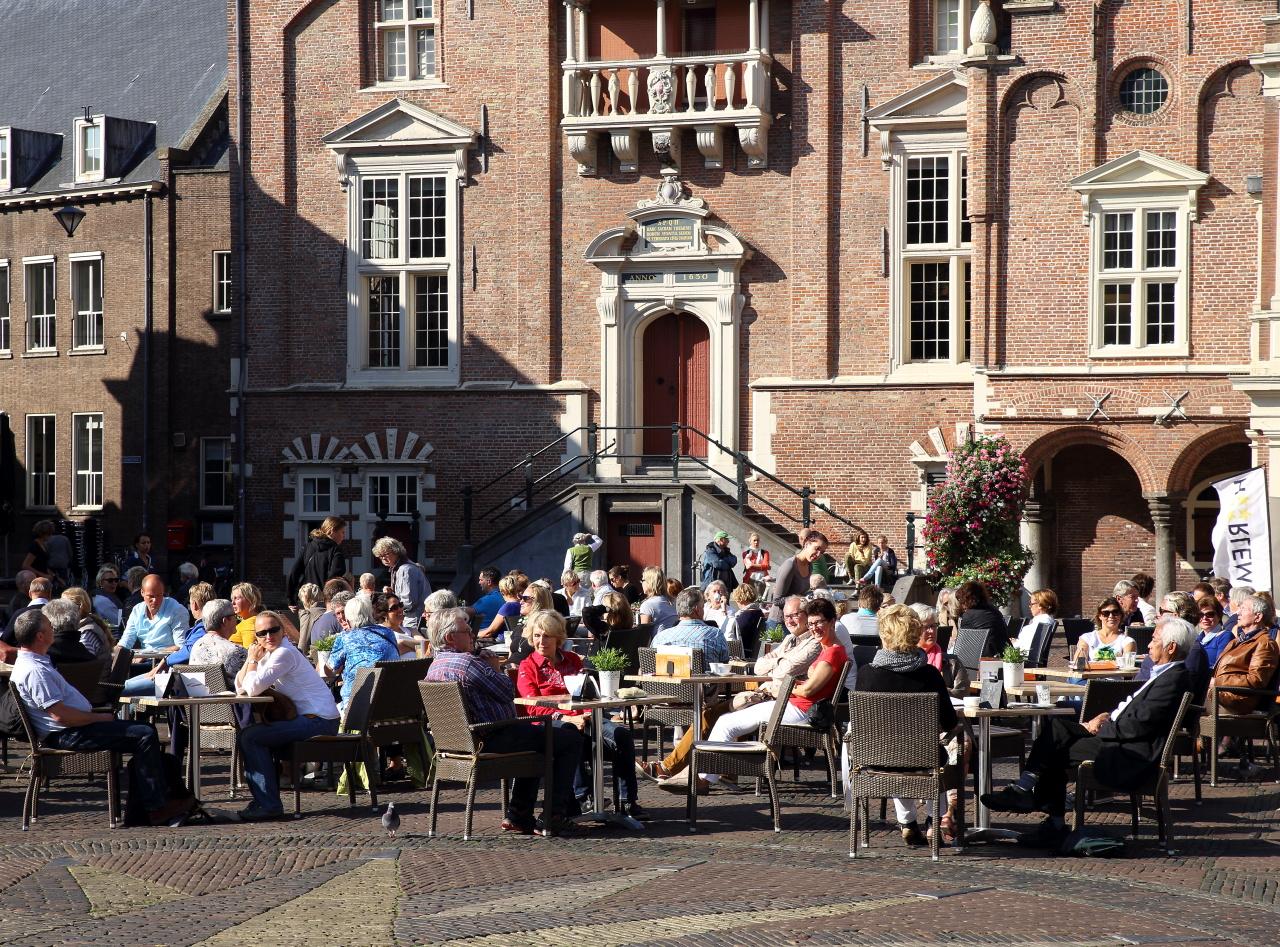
971,530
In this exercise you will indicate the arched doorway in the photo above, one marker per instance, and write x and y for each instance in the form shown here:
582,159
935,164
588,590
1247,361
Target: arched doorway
675,373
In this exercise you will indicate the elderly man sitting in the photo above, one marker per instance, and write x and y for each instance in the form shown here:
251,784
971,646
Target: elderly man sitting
1126,743
215,646
692,631
488,695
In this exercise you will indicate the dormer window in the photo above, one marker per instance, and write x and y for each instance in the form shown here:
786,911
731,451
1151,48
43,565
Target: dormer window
5,151
90,145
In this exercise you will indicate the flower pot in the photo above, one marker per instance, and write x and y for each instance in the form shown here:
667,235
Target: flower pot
609,681
322,658
1014,675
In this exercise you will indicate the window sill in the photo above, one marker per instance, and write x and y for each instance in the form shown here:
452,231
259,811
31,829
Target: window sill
41,353
1149,351
933,371
373,379
6,354
85,510
89,350
413,84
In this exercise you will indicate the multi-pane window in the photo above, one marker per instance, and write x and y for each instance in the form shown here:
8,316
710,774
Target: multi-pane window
86,459
384,321
41,306
933,255
431,330
222,284
392,494
407,35
316,494
380,218
5,182
6,326
41,463
89,150
1139,277
1143,91
948,28
86,294
426,217
215,473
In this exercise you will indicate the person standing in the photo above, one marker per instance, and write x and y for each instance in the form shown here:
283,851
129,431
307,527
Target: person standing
408,581
718,563
140,554
577,558
793,574
322,559
755,561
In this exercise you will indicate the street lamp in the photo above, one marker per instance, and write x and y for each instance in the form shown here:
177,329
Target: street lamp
70,217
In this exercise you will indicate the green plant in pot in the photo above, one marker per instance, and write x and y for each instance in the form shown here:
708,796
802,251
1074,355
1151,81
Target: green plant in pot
322,648
609,663
1013,660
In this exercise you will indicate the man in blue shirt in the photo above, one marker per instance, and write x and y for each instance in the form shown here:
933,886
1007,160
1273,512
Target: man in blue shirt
159,623
692,631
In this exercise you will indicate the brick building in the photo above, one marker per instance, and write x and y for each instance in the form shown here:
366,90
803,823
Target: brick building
832,238
114,339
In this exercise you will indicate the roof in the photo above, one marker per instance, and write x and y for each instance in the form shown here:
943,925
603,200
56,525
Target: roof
154,61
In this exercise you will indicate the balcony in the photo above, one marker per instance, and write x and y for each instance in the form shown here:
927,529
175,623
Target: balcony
658,94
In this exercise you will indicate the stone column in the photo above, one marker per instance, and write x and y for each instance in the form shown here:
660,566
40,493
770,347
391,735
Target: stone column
1034,516
662,28
764,26
1164,512
753,25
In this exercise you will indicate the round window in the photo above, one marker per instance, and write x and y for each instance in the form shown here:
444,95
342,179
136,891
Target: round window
1144,91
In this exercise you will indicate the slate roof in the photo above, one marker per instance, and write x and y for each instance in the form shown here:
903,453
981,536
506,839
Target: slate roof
160,61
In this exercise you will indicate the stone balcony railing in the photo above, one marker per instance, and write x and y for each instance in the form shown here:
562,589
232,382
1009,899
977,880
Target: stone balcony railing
663,95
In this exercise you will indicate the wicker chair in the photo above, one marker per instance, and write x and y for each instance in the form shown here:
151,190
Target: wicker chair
348,746
754,758
1157,785
1042,645
46,763
460,756
799,736
679,712
117,672
86,677
968,645
395,715
1103,696
218,727
1072,629
1260,724
891,754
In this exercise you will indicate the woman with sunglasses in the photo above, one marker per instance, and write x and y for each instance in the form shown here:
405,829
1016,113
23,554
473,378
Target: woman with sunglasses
1213,636
535,598
273,661
1108,641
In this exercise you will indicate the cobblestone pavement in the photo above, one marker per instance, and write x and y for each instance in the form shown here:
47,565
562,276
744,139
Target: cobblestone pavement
334,877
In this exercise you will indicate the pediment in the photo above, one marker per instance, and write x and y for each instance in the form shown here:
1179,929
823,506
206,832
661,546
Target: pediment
399,124
943,99
1139,170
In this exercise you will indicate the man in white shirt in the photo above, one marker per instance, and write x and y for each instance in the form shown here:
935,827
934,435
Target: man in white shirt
274,662
575,596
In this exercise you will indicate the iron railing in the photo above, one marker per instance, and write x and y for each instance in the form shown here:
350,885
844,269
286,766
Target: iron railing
518,487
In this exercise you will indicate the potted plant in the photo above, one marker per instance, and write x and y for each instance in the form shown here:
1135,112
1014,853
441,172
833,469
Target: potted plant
1013,660
323,648
772,635
609,663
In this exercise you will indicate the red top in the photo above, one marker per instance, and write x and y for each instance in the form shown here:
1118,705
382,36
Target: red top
538,677
835,656
755,561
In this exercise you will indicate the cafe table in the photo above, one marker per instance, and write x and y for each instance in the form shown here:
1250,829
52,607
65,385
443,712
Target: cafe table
982,832
565,703
1027,691
727,680
1065,673
193,705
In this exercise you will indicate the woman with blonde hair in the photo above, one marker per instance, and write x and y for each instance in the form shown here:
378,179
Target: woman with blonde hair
656,609
95,634
535,598
312,607
322,559
510,587
246,599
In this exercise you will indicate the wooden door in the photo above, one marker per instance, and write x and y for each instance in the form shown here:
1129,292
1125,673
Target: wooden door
633,540
676,369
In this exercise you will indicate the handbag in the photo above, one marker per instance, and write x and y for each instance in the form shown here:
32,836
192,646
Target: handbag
280,709
821,716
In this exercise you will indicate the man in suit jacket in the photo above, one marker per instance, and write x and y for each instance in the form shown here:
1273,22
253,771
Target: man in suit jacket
1125,744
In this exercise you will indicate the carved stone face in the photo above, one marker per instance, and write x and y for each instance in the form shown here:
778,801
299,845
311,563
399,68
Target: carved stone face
661,91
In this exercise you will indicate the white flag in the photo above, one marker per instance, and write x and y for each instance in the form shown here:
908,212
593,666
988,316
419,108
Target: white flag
1242,535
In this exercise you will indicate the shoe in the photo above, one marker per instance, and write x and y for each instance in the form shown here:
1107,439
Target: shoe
1045,835
912,835
652,770
522,826
637,812
1247,769
173,813
557,826
251,813
1012,798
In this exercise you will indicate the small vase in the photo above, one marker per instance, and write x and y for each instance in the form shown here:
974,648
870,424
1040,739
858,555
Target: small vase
609,681
322,658
1014,675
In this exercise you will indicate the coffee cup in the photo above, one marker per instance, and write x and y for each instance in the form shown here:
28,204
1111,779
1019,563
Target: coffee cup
1044,695
971,705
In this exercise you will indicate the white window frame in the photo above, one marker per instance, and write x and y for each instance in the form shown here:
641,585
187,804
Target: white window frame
392,473
404,269
317,475
947,56
6,159
32,473
204,496
84,176
6,310
77,462
27,264
77,312
223,282
955,251
406,29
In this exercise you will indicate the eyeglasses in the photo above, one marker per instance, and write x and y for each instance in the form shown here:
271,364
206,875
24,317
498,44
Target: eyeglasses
528,598
395,608
264,632
791,616
1110,612
1211,612
1164,611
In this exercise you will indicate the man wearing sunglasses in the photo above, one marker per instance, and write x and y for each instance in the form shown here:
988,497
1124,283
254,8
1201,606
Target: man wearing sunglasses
274,662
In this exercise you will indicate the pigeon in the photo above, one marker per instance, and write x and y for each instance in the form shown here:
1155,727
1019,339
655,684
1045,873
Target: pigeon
391,820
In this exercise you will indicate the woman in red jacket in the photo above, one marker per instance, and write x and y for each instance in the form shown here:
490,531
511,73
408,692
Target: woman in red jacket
542,674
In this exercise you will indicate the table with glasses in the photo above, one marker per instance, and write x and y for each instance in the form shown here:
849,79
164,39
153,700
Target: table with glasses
566,703
1027,690
726,680
1066,673
192,706
982,832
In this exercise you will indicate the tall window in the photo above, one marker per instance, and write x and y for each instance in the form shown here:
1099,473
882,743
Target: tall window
86,293
86,459
407,33
222,281
1139,277
951,27
933,255
406,275
392,494
5,170
6,333
215,473
89,149
41,306
41,462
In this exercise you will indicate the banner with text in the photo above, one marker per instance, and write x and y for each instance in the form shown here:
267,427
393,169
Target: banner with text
1242,535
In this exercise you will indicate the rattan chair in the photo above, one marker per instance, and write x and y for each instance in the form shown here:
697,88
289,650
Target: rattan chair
395,715
1260,724
754,758
112,685
1103,696
218,727
348,746
892,752
1072,629
677,713
460,755
800,736
1156,786
967,646
46,763
1042,645
86,677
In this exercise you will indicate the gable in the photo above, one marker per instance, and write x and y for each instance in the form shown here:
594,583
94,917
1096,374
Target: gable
399,123
943,98
1140,169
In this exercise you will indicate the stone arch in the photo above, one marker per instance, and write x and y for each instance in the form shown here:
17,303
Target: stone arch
1043,449
1042,91
1189,460
1234,80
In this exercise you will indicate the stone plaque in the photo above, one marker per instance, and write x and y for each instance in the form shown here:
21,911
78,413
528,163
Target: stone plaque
669,232
705,277
642,277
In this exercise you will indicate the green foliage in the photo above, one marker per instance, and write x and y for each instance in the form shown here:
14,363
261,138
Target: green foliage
774,633
325,644
609,659
1012,655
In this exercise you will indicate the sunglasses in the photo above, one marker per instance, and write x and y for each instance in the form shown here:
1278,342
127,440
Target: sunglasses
1110,612
109,578
264,632
527,598
395,608
1211,612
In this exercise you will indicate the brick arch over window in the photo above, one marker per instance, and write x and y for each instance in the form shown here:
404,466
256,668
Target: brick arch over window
1043,92
1043,449
1193,455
